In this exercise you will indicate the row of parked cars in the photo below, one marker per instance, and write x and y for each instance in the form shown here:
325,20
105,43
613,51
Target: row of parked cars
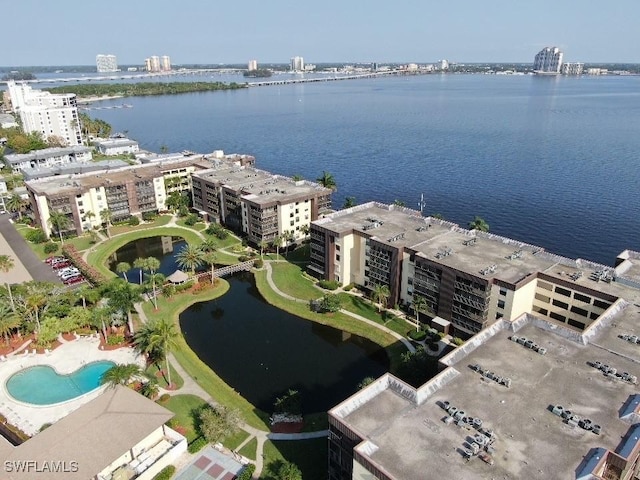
69,274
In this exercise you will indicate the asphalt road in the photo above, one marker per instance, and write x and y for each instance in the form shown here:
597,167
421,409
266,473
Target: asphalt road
38,269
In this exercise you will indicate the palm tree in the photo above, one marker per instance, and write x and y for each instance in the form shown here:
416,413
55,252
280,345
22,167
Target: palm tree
35,301
153,264
349,202
209,245
140,263
9,321
105,215
479,224
209,258
6,264
122,295
419,304
380,295
87,294
89,215
399,203
263,244
277,242
305,229
288,236
297,178
15,203
123,268
150,388
60,222
158,337
327,181
190,257
121,375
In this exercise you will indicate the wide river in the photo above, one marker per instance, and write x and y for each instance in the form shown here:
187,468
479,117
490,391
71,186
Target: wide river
549,161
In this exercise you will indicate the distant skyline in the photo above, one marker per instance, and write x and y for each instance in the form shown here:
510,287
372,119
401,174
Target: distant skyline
191,31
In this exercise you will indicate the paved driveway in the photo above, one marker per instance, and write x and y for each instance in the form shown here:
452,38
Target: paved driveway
22,254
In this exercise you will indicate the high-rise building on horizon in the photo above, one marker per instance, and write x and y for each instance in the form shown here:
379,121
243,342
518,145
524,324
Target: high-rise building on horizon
106,63
297,64
548,60
572,68
157,64
52,115
165,63
252,65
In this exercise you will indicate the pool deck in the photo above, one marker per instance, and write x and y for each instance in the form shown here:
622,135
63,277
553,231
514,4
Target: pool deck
67,358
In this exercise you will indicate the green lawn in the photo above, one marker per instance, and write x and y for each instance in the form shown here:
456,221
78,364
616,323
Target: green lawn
338,320
199,226
288,278
155,371
185,407
233,442
366,309
300,254
195,367
38,248
158,222
250,449
81,243
311,457
100,253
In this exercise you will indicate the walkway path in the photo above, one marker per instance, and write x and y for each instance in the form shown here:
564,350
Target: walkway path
396,335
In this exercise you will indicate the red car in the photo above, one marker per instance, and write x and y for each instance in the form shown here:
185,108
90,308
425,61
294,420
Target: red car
61,265
54,259
74,280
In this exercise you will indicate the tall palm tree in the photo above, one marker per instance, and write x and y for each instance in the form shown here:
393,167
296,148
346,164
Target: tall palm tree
9,321
89,216
140,263
150,388
209,258
123,268
190,257
263,244
479,224
105,216
158,337
122,296
419,304
327,181
7,264
380,295
121,375
153,264
60,222
35,300
209,245
305,229
349,202
15,203
87,294
277,242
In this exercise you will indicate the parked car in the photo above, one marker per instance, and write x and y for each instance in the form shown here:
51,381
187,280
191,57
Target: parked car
69,275
67,270
56,259
59,265
74,280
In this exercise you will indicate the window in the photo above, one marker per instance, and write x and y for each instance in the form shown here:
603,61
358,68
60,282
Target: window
337,257
601,304
560,304
291,215
500,303
337,247
557,317
575,323
503,292
582,298
291,223
410,281
297,209
563,291
545,285
580,311
542,298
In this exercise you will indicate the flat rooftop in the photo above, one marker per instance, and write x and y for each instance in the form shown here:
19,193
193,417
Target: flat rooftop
114,142
46,153
260,186
74,184
412,442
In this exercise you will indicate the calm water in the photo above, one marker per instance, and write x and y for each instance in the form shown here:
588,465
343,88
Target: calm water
162,248
550,161
42,385
262,351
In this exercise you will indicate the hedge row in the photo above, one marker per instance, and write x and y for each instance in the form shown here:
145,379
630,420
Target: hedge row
90,273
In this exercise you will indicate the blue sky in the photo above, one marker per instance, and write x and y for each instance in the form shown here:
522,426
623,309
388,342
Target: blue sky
72,32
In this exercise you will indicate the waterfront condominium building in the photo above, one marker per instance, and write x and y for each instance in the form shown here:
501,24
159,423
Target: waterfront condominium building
548,60
297,64
257,203
252,65
106,63
52,115
467,278
125,192
165,63
572,68
152,64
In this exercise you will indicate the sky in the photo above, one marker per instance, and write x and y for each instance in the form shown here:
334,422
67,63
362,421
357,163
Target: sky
72,32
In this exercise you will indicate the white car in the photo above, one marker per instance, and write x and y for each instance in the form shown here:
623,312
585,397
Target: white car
67,271
69,276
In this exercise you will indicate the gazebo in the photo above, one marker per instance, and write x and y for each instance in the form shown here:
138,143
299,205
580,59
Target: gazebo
178,277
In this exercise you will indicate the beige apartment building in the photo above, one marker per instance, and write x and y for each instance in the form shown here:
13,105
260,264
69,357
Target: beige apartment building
468,278
125,192
258,203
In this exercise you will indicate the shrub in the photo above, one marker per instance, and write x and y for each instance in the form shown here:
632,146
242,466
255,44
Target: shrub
133,221
115,339
458,341
90,273
349,287
184,286
163,398
191,220
417,336
197,445
166,473
258,263
330,303
51,247
36,235
328,284
243,258
247,472
149,216
168,290
183,211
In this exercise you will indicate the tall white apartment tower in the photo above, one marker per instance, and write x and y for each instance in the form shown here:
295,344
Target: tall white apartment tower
152,64
165,63
548,60
252,65
106,63
47,113
297,64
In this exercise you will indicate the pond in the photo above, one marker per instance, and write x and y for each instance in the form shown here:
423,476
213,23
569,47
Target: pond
262,351
162,248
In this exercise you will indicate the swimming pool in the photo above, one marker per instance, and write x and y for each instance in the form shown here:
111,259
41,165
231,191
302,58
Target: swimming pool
42,385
